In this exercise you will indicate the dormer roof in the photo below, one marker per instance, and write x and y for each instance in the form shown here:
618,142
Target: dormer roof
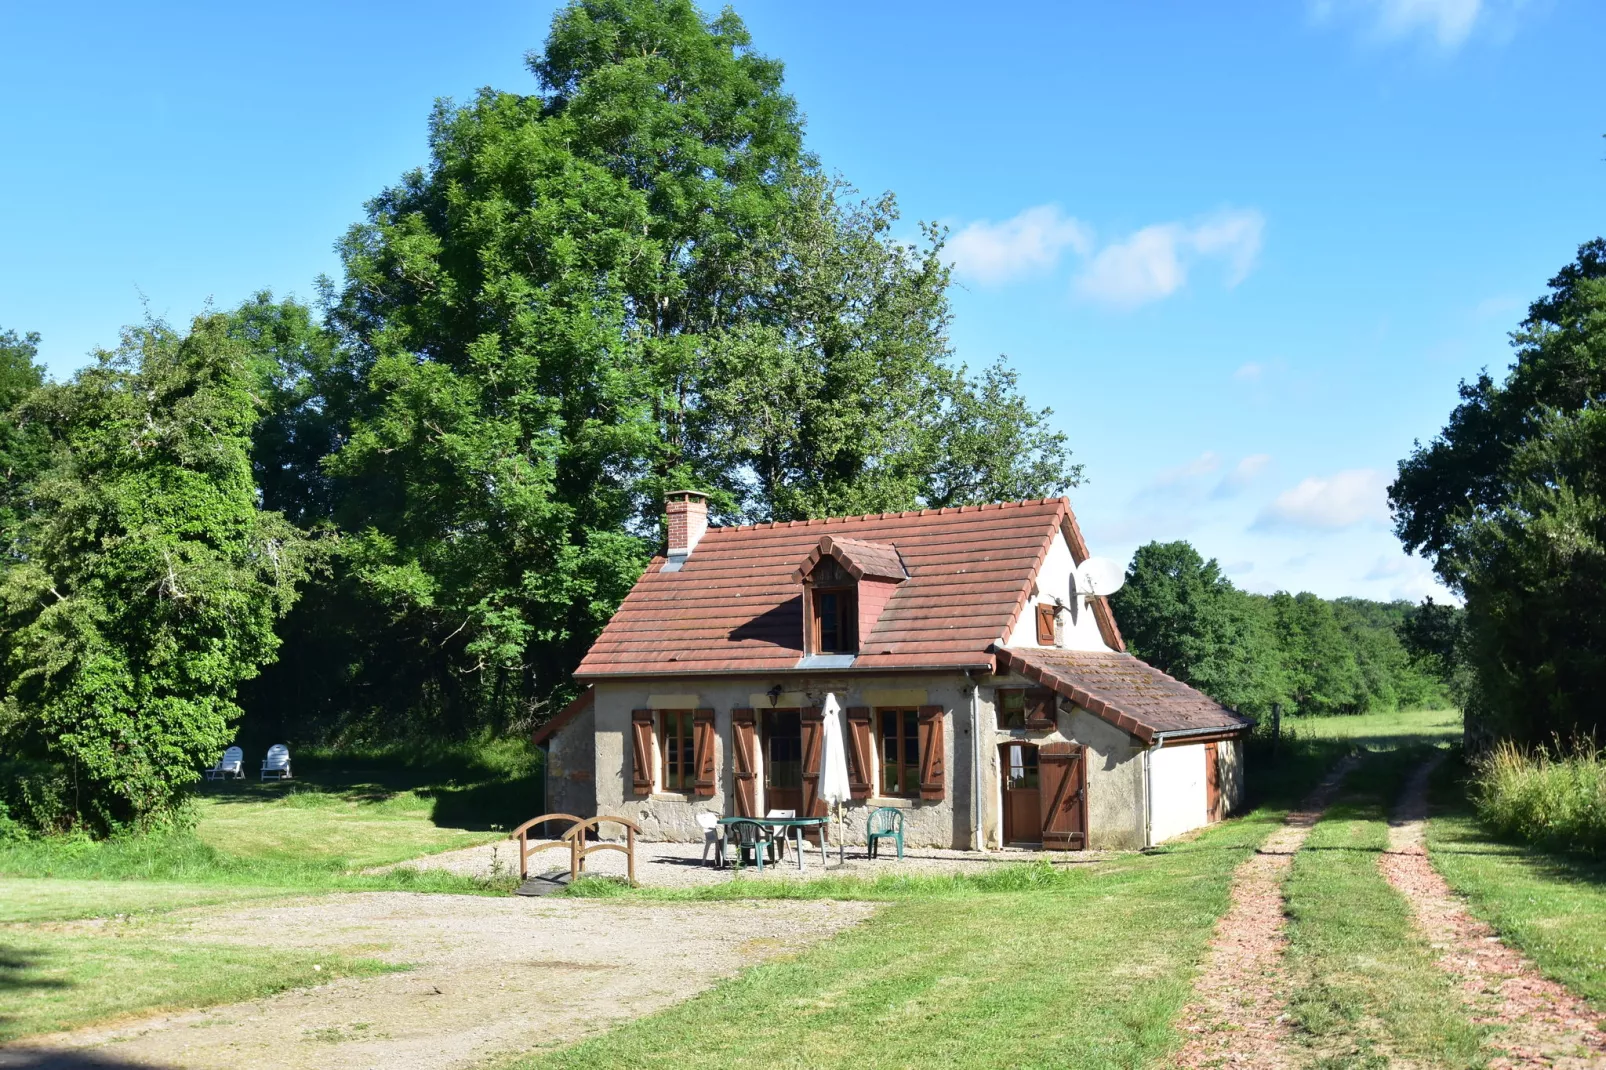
735,604
860,559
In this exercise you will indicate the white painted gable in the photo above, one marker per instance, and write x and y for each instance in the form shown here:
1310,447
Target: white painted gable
1077,629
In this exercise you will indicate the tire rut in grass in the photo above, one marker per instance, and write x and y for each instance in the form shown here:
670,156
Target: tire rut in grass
1540,1023
1236,1016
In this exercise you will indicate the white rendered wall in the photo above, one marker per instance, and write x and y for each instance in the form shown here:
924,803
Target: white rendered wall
1080,631
1176,791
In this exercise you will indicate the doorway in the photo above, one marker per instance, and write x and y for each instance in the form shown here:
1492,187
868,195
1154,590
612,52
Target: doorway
1023,817
783,760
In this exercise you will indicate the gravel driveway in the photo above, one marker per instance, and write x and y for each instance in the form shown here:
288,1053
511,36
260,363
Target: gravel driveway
490,978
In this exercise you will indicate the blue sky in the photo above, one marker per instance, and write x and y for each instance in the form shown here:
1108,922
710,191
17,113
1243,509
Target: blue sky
1244,251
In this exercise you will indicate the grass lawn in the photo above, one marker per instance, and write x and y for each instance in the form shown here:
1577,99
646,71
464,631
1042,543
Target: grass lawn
1088,968
56,977
1552,906
82,932
1367,987
1380,729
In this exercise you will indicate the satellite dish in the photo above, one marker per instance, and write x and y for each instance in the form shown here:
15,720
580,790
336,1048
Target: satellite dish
1097,576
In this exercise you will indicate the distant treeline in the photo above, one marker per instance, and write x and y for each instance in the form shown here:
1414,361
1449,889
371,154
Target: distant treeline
1311,655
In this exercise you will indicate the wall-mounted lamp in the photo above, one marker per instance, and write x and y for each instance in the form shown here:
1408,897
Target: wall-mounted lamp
775,695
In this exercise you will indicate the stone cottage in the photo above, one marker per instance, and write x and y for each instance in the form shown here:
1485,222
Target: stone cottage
981,693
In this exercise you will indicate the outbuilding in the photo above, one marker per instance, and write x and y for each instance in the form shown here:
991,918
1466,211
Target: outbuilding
981,693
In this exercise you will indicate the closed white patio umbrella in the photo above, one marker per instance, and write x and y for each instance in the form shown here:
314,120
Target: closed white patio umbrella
834,790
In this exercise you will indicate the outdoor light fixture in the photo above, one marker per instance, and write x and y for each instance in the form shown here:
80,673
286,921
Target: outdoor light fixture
775,695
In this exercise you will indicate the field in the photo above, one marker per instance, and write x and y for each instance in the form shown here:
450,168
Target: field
1086,966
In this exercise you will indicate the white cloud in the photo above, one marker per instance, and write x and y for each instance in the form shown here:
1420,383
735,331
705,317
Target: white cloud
1154,262
1029,244
1242,474
1448,24
1328,503
1201,465
1249,373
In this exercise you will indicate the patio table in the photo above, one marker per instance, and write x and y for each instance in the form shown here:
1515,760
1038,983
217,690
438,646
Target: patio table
789,824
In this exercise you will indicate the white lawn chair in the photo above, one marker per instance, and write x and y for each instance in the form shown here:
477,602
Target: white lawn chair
232,764
780,841
276,766
713,836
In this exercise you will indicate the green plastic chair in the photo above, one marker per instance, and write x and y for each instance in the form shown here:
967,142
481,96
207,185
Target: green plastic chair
884,821
748,836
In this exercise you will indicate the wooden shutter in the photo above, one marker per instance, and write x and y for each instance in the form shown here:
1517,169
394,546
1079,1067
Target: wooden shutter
933,774
859,753
1045,624
1040,708
813,746
1062,775
1212,759
641,751
744,763
703,741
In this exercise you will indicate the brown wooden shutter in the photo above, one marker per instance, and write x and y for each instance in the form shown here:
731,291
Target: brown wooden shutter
703,744
1212,759
641,751
859,754
813,744
1062,775
744,763
933,774
1040,708
1045,624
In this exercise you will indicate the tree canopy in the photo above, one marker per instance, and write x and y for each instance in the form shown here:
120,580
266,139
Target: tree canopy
1312,656
1509,502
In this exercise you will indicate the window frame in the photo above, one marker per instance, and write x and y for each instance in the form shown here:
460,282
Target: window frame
1000,696
686,758
846,622
907,734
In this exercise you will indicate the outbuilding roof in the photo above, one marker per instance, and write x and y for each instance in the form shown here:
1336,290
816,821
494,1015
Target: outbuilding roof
1131,694
735,604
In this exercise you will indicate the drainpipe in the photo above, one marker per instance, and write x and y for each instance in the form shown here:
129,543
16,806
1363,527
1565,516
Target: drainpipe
1148,799
977,842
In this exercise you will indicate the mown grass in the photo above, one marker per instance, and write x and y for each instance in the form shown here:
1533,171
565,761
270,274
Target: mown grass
1367,988
53,979
1550,905
1380,730
1029,966
1557,801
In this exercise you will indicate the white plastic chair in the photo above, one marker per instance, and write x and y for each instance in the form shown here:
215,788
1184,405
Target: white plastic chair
780,841
277,764
232,764
713,836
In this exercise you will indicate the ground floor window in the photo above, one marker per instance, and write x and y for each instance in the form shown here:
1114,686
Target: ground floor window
675,740
900,752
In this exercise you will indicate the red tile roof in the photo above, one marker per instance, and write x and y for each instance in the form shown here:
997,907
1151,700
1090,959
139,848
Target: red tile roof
736,606
1130,694
877,560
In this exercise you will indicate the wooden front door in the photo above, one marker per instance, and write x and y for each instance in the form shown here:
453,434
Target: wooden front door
1062,768
783,760
1212,781
1022,797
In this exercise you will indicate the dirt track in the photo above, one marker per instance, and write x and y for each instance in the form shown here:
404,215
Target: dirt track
489,978
1236,1017
1540,1023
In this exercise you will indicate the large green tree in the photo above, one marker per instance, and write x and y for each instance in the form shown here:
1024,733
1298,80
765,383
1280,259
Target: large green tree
632,280
1509,503
1178,612
24,441
150,579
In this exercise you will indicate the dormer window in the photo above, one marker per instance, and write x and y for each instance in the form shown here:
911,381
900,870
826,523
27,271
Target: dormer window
836,618
846,585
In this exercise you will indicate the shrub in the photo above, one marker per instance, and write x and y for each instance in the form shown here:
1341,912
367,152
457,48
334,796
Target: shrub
1556,800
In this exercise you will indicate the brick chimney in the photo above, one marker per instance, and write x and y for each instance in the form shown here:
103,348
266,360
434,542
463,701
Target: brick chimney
688,520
